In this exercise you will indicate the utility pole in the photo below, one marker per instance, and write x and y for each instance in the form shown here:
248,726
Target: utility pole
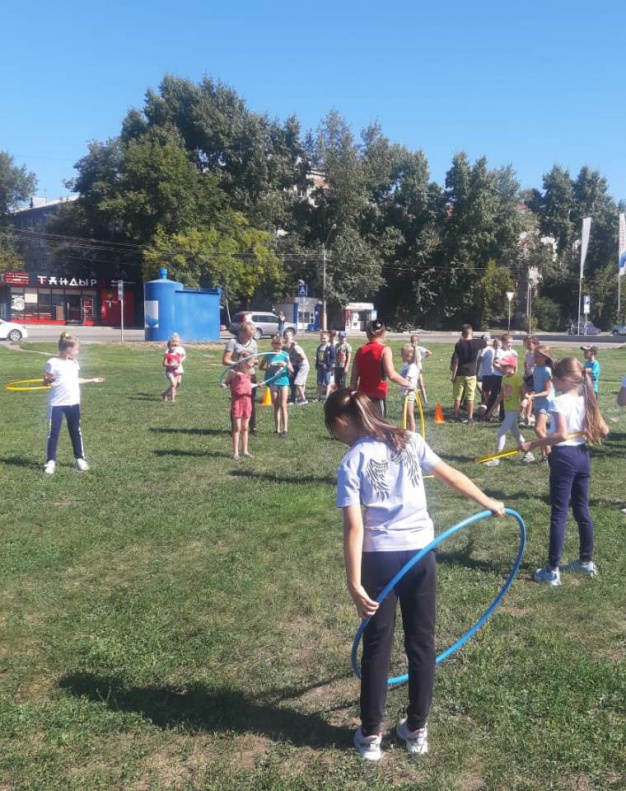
324,317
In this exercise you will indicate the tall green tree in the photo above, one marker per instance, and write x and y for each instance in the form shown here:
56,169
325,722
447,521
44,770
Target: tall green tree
236,258
17,185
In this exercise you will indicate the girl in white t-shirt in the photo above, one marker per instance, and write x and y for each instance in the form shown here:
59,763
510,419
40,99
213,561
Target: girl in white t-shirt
576,420
61,373
178,349
421,354
382,474
410,372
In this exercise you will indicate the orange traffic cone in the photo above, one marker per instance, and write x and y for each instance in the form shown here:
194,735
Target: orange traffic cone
267,398
439,418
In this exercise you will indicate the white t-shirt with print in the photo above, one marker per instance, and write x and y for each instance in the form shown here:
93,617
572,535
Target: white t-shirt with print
390,487
485,367
411,372
183,354
573,407
65,388
420,356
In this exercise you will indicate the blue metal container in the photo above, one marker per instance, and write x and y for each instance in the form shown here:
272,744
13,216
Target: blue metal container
160,307
169,307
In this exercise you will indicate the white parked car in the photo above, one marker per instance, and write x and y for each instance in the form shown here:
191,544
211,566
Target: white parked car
12,331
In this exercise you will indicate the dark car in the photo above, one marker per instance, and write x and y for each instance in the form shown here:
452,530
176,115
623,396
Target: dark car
586,328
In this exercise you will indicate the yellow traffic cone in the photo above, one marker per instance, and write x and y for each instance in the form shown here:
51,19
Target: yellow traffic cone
267,398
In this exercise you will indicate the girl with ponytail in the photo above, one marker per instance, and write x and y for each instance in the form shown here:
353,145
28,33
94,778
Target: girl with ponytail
576,421
373,366
382,472
61,373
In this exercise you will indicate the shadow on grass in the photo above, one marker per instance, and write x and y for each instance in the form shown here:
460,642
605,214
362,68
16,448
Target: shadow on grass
461,557
196,708
145,397
207,432
508,497
20,461
193,453
274,478
453,457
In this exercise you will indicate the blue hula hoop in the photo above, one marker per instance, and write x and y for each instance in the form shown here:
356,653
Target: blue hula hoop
267,382
416,559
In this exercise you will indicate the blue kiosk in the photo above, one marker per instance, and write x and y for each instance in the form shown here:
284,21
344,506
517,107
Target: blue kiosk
194,313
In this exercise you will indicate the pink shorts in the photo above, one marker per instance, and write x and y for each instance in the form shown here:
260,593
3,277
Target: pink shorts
241,407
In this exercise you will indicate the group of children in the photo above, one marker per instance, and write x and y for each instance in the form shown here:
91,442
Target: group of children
532,393
380,490
381,493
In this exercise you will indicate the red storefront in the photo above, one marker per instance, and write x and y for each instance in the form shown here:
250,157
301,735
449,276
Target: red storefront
30,298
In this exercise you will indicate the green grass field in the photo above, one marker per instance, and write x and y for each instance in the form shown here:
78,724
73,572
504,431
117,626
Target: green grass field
174,620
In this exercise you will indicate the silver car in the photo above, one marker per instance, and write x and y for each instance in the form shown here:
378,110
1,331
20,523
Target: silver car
266,323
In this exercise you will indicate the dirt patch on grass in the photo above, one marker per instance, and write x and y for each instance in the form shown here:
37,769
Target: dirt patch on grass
514,611
575,783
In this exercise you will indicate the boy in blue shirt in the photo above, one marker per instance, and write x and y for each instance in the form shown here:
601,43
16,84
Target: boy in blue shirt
592,364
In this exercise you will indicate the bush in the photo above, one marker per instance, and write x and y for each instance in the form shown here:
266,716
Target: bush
546,314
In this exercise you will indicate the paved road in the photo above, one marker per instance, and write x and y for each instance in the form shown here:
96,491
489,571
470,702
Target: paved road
51,333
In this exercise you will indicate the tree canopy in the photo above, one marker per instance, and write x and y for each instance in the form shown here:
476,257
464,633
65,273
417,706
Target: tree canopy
229,197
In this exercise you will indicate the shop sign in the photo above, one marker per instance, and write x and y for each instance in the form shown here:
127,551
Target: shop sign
72,282
16,278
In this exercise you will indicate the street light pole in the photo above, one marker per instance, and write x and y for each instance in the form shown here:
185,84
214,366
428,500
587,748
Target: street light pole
324,319
509,296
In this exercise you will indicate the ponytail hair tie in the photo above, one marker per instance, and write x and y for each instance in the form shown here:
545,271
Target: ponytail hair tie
353,393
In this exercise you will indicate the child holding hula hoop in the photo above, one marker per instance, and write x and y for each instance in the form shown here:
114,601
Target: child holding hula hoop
61,373
382,473
273,363
239,379
409,371
574,412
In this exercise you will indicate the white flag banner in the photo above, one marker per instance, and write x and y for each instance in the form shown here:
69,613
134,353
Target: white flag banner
584,243
622,244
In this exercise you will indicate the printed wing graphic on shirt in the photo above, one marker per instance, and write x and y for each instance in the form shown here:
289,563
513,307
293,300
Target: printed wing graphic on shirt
410,463
376,473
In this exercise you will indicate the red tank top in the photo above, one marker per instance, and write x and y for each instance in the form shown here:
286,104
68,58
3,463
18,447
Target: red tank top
369,364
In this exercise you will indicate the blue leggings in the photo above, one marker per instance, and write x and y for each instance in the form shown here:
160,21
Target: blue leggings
72,415
570,471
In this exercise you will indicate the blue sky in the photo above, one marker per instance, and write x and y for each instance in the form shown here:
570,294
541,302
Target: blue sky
531,84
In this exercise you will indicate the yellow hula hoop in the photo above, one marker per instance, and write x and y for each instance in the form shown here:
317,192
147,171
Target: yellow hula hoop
504,453
405,412
16,387
404,416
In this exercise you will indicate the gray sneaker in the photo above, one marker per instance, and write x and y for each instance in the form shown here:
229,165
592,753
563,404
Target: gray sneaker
586,568
548,576
415,741
368,746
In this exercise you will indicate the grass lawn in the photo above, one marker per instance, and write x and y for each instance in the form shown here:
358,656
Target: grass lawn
174,620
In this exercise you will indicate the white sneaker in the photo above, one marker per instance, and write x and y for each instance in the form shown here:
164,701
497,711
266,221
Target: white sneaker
547,575
82,465
415,741
368,746
492,463
587,568
49,467
528,458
